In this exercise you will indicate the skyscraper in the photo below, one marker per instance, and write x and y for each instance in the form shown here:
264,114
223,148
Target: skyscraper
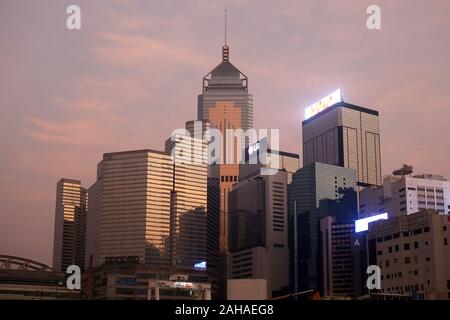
345,135
70,224
131,206
188,200
226,103
317,190
258,230
338,268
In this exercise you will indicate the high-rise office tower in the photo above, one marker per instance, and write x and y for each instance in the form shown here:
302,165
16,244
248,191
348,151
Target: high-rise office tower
258,241
226,103
189,179
131,208
345,135
70,224
337,247
317,190
189,199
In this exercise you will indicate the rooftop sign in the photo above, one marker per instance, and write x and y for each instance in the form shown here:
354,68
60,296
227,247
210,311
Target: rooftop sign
324,103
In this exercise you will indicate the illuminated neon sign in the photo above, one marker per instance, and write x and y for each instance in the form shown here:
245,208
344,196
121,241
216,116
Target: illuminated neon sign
200,265
324,103
363,224
253,148
184,285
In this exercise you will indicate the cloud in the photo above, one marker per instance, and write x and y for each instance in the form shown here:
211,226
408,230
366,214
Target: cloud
67,132
125,50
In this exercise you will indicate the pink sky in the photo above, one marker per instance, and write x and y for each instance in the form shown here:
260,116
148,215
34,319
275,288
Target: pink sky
132,74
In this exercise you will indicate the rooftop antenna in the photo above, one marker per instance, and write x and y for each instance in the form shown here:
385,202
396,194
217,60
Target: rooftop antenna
225,48
225,26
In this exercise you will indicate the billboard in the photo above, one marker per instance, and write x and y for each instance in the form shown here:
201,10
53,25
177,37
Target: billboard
363,224
324,103
257,152
200,266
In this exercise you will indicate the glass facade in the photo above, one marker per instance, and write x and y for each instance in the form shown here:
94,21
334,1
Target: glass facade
226,104
317,190
70,224
130,212
345,135
189,200
247,223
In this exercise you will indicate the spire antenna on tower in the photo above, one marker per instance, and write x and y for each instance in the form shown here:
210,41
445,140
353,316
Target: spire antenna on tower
225,49
225,26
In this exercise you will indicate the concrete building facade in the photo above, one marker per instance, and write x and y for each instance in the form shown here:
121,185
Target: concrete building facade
258,230
403,195
413,252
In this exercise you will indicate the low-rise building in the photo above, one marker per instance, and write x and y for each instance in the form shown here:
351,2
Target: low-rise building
413,252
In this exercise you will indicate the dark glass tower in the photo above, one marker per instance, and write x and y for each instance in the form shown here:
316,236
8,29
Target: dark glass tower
345,135
317,190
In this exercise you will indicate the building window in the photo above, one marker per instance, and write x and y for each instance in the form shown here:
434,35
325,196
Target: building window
445,241
379,252
396,248
416,245
406,246
407,260
390,249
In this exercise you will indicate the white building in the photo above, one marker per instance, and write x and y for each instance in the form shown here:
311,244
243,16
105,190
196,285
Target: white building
404,195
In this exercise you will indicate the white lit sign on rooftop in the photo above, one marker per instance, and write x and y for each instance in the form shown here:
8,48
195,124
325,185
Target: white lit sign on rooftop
324,103
363,224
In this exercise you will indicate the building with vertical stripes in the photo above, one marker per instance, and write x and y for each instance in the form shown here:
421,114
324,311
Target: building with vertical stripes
70,224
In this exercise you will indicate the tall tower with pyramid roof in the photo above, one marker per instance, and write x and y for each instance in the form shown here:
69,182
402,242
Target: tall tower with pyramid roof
226,103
